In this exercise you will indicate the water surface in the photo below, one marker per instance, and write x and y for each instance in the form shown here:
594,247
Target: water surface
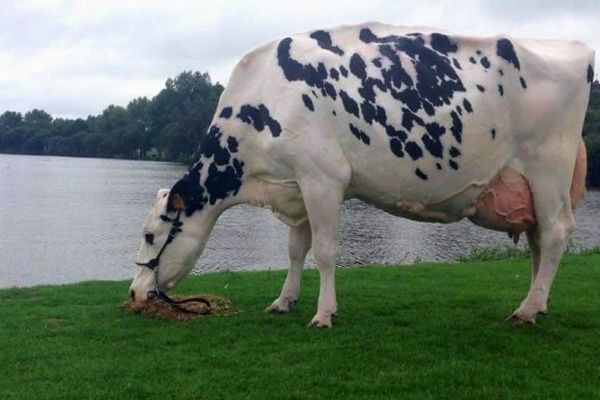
72,219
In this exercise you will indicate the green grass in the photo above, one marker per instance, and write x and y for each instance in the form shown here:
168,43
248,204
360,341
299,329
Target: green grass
426,331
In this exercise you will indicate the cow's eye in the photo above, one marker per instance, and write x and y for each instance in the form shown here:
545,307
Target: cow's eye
149,238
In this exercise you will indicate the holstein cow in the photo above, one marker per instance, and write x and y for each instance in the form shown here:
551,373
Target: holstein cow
424,125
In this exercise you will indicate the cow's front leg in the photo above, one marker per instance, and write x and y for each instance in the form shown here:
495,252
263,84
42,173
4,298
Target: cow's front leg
323,203
298,246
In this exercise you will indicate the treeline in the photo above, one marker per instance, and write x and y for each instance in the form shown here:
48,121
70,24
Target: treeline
591,133
167,127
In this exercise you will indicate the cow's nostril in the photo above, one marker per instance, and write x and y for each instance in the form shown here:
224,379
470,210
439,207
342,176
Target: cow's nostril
132,294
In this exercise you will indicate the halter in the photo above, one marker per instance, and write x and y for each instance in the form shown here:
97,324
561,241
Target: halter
153,264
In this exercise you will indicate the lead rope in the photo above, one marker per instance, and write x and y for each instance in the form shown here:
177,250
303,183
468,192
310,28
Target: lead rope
158,294
153,265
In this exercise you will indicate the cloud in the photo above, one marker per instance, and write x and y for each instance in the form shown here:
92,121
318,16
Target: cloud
74,58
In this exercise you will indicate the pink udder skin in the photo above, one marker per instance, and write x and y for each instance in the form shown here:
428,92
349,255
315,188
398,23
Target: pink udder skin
507,204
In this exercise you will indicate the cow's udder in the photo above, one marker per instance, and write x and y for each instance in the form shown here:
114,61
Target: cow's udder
506,204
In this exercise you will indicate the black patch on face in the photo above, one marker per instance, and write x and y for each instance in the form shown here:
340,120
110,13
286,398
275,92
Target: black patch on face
467,106
485,62
442,44
438,166
456,63
333,112
149,238
413,150
472,60
453,164
590,74
459,109
420,174
226,112
377,62
493,132
505,49
501,90
454,152
323,39
259,117
523,83
360,135
350,105
501,72
481,88
308,102
478,52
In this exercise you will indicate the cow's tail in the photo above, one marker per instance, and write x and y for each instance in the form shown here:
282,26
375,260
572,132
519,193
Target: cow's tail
579,174
580,170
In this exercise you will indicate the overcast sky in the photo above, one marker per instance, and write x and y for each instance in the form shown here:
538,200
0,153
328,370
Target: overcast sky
72,59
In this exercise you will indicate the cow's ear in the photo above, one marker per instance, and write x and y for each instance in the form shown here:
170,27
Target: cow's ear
178,196
177,202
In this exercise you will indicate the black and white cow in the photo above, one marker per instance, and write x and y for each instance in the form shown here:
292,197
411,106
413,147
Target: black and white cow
425,125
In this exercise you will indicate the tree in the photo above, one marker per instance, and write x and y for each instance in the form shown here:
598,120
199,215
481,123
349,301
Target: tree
185,109
136,136
38,119
10,120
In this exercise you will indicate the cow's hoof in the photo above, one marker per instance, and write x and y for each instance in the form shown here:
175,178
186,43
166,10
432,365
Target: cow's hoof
319,322
281,306
526,315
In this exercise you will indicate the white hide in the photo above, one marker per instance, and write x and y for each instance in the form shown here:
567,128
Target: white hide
315,162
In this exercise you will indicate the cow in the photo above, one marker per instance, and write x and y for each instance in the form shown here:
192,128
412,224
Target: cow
420,123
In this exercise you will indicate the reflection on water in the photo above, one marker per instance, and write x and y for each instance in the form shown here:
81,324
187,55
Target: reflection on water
72,219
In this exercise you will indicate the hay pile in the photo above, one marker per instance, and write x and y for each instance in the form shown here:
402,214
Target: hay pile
158,309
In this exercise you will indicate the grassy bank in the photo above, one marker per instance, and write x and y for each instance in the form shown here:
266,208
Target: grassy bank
430,331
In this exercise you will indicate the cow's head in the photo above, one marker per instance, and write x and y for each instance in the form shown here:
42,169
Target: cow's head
163,265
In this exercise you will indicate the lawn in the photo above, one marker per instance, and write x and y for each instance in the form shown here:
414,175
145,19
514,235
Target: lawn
425,331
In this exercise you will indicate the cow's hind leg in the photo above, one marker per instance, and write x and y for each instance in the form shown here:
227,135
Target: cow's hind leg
534,246
298,246
548,240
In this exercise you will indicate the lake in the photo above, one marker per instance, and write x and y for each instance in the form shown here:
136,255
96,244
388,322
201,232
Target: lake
73,219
